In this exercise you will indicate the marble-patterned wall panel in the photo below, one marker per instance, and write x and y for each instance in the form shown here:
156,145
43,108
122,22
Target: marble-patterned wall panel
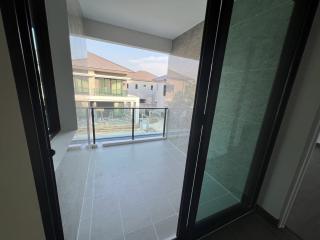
255,41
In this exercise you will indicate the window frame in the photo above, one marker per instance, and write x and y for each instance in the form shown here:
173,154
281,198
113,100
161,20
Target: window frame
46,75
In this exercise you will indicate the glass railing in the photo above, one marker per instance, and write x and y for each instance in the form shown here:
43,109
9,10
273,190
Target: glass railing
81,91
109,92
84,125
117,124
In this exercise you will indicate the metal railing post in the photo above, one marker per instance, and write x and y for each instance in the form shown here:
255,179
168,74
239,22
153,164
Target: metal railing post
93,128
164,122
133,113
88,126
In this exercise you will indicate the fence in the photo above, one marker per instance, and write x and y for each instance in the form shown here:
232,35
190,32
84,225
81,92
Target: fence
116,124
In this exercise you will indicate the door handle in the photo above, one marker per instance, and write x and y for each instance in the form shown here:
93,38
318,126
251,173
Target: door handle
52,152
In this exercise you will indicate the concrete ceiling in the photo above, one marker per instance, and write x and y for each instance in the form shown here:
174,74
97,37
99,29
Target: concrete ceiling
163,18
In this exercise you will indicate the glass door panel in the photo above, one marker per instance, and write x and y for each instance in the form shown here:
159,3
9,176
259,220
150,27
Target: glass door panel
256,36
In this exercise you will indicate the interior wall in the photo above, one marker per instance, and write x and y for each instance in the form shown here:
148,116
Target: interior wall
57,18
295,128
20,216
305,221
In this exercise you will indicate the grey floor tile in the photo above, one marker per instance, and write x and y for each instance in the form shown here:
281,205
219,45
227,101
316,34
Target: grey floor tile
129,186
87,208
105,206
84,230
160,209
214,206
146,233
135,217
174,199
105,236
167,228
107,226
211,189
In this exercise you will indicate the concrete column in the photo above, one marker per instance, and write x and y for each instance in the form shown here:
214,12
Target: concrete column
92,83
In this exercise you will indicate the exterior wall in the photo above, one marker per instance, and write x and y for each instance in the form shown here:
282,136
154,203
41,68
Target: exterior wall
111,33
154,98
20,216
92,82
143,92
159,98
112,99
181,83
61,60
74,17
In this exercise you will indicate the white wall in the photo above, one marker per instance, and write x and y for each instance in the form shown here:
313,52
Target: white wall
20,216
61,59
104,31
296,126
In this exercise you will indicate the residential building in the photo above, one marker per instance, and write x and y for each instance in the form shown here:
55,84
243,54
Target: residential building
99,82
141,84
161,91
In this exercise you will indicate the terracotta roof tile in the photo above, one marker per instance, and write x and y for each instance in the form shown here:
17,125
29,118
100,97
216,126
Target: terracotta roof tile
95,62
142,76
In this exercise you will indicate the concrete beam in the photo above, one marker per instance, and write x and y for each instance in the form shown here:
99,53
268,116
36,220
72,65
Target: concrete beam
111,33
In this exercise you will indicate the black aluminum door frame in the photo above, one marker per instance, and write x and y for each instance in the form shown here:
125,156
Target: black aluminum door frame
17,20
213,45
212,54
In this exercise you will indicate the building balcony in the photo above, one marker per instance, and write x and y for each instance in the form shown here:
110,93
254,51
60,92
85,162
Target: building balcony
129,191
81,91
100,92
109,92
121,190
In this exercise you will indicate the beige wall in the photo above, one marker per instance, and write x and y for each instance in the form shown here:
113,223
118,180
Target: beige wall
19,210
296,127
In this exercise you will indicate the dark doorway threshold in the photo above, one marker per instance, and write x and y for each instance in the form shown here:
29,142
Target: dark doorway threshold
254,226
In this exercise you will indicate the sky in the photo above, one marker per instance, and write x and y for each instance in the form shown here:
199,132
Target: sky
133,58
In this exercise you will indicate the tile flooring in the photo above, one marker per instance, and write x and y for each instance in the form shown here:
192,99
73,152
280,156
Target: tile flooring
124,192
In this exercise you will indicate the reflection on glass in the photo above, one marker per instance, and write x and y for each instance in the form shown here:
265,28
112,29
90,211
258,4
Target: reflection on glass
149,123
114,123
181,84
255,40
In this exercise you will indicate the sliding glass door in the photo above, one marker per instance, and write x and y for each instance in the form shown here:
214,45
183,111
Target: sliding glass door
234,126
255,40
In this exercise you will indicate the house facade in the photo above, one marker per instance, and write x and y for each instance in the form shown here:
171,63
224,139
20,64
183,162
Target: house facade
99,82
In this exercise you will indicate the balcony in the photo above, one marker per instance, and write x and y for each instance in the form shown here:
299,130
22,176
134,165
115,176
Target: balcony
81,91
110,92
129,191
119,125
